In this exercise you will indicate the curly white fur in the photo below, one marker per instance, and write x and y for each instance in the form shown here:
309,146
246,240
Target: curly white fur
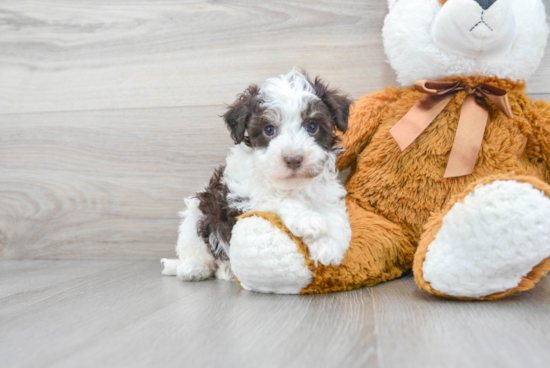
316,212
311,204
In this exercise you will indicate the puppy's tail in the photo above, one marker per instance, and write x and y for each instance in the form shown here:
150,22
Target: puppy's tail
170,266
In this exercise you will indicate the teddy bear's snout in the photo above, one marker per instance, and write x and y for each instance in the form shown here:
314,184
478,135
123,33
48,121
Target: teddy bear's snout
475,28
485,4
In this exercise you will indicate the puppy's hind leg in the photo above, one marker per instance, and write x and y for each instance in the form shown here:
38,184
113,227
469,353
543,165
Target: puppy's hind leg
195,261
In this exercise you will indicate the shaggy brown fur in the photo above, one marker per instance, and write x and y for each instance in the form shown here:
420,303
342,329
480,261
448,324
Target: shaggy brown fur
398,198
217,217
405,188
357,268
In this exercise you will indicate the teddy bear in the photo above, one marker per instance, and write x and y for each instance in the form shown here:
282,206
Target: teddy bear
448,175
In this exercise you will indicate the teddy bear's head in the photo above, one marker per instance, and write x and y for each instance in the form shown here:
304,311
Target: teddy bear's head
433,39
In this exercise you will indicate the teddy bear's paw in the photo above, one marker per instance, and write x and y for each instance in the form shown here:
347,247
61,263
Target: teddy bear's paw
311,226
265,259
326,250
491,241
193,269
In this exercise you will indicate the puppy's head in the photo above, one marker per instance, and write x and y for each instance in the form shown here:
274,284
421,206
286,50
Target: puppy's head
290,124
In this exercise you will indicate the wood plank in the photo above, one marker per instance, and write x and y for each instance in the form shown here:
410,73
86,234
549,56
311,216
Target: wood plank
33,276
418,330
127,314
540,81
105,183
540,96
133,316
68,55
108,183
78,55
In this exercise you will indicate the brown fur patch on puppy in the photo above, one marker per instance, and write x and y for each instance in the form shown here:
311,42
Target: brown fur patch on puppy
337,104
330,114
318,114
217,217
240,112
256,128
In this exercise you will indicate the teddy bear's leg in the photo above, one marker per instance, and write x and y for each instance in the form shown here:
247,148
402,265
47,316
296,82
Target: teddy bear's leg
490,241
379,251
265,257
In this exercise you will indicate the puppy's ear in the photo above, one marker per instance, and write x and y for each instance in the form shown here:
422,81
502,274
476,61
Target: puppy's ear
239,113
337,103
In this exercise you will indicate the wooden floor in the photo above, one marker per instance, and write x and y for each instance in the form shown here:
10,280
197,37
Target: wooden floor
125,314
109,117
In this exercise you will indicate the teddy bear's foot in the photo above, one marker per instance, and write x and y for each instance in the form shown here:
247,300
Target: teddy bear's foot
266,259
490,242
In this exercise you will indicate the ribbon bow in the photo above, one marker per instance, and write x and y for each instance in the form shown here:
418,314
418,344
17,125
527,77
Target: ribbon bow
471,125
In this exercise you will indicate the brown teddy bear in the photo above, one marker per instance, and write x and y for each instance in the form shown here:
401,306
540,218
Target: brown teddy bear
449,176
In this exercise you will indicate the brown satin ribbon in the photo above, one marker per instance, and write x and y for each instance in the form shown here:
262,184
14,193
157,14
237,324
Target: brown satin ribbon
471,125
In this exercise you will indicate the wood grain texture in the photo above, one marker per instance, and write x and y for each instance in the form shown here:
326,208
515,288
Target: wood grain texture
105,183
109,109
125,314
540,96
64,55
420,330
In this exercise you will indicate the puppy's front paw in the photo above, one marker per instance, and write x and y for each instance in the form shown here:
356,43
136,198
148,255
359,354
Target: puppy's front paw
193,269
308,227
326,250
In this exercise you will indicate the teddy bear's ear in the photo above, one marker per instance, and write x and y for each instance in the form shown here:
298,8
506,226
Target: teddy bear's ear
239,113
337,103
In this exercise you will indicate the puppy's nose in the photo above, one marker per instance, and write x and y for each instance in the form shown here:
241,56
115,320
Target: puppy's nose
293,162
485,4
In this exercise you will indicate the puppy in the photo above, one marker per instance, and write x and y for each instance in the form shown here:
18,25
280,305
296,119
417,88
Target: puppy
284,163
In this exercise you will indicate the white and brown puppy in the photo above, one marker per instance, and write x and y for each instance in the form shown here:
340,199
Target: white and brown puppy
283,163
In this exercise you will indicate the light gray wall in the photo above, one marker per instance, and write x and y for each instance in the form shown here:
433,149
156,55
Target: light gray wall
109,108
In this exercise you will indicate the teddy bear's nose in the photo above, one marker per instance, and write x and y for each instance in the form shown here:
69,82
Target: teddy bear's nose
485,4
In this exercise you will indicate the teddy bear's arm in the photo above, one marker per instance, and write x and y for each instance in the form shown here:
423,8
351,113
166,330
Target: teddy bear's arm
541,122
363,121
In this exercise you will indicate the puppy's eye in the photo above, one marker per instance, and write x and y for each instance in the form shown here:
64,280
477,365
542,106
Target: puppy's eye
311,128
270,130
